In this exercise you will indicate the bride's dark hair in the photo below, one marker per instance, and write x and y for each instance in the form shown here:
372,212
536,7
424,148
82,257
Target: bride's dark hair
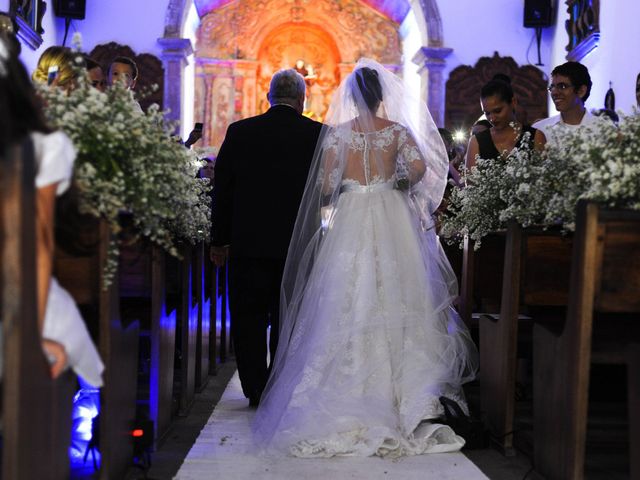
369,87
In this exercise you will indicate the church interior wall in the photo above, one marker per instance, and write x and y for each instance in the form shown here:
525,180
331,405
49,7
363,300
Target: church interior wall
133,23
127,22
478,29
616,59
411,43
189,30
484,27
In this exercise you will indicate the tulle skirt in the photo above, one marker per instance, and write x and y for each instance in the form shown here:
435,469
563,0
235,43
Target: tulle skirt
372,342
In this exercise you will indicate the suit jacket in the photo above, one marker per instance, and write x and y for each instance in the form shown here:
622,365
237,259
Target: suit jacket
260,175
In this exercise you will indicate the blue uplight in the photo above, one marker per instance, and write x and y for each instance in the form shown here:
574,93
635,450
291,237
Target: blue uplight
86,406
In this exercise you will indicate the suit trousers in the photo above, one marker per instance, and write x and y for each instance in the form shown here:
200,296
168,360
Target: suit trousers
254,304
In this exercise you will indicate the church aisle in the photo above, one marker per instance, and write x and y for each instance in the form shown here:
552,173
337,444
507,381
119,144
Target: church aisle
220,450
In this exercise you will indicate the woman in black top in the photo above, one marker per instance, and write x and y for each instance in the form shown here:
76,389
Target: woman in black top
506,133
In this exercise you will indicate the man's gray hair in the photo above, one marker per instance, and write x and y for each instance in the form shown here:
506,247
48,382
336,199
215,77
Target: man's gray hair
287,86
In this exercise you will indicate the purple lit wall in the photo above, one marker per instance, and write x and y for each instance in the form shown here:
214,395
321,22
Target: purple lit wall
616,59
477,29
138,24
135,23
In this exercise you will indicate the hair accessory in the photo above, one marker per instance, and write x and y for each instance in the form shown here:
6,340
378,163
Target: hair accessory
52,73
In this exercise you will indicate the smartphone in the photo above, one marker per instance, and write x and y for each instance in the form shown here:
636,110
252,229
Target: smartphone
52,74
198,126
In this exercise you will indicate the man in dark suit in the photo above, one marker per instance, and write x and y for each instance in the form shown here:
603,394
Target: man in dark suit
260,174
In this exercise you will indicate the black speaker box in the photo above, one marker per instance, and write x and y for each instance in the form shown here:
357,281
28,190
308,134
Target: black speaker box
538,13
70,8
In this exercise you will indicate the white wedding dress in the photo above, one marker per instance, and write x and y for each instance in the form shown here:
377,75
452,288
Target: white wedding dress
375,341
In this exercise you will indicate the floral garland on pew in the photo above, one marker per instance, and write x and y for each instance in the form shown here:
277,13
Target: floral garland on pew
128,161
599,161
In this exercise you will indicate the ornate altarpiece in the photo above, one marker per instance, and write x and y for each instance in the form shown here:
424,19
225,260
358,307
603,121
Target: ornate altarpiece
241,44
464,84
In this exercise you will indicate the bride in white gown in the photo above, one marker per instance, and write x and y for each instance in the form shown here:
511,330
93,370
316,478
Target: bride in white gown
369,341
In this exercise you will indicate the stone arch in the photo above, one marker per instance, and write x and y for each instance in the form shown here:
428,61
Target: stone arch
174,19
429,22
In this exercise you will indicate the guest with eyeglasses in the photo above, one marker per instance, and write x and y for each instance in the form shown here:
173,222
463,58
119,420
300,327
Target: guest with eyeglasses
569,88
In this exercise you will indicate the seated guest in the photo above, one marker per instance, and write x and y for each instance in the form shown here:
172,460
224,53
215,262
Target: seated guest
506,133
570,87
123,70
65,338
95,74
207,171
55,68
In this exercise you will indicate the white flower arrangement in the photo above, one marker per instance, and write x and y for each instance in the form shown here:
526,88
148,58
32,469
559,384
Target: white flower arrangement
129,162
599,161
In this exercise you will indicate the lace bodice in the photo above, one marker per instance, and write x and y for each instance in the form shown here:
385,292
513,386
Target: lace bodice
369,158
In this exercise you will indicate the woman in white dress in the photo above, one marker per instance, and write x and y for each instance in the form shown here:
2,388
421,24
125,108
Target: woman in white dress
65,338
369,340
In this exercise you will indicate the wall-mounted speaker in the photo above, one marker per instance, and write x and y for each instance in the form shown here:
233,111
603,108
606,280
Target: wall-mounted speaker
70,8
538,13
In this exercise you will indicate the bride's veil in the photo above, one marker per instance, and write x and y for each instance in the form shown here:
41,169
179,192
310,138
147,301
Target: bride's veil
362,103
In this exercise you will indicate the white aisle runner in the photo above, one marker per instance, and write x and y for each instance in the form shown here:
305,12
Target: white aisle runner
220,452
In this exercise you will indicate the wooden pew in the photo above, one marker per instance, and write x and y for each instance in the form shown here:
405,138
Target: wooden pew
79,269
143,289
223,290
189,312
203,298
218,339
605,284
163,347
211,289
36,410
535,276
481,276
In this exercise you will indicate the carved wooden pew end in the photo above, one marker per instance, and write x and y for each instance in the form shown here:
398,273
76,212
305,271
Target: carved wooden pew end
602,324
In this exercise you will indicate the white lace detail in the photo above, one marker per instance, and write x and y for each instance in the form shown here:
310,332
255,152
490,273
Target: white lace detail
380,139
382,142
375,180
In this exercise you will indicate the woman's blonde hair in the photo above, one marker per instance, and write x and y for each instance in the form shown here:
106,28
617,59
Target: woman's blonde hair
61,57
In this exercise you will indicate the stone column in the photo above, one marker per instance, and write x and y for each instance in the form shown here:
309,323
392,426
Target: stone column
174,59
431,62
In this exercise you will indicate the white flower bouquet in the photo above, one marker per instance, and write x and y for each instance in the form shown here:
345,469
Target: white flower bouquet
599,161
128,162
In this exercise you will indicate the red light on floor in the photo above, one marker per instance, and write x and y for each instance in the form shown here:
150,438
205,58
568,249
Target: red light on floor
138,432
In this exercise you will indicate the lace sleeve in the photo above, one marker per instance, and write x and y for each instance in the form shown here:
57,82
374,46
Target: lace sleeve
410,163
330,175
